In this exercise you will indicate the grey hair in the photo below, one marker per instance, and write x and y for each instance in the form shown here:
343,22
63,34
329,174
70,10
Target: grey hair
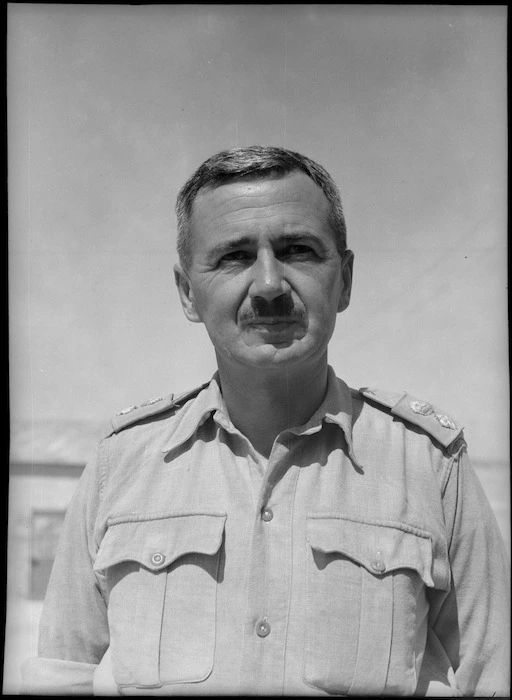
254,162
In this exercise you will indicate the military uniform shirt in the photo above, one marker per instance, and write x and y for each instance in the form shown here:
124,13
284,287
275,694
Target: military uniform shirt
361,558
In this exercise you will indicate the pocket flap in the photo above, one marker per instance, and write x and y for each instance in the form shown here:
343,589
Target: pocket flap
379,548
157,541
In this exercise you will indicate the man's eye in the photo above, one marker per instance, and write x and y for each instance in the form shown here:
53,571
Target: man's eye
235,256
297,250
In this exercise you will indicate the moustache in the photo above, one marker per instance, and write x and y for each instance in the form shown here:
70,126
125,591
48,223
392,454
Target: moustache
277,308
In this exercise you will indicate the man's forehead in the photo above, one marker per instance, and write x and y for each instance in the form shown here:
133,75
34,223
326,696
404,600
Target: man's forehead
260,211
272,190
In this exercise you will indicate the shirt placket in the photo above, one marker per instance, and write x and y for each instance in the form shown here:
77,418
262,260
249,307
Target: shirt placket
268,582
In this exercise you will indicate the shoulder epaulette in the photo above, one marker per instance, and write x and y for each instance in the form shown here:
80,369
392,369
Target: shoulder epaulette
433,421
134,414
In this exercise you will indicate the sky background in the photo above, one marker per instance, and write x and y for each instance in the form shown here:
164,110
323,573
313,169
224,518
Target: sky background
111,108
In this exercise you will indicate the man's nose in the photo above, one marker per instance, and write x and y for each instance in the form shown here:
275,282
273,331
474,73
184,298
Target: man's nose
268,280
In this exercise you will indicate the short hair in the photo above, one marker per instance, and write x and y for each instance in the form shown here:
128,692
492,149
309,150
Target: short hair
253,163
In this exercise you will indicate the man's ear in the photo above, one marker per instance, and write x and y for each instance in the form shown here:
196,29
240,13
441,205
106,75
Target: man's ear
187,298
347,268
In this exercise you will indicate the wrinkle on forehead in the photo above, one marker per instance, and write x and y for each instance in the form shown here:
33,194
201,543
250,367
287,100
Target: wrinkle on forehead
294,195
253,180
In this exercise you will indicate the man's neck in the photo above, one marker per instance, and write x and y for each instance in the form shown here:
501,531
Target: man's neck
261,405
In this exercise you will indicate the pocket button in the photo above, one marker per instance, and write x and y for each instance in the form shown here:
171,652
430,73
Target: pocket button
157,558
378,565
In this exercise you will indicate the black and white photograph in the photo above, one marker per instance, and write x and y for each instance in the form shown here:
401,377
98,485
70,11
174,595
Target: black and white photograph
258,350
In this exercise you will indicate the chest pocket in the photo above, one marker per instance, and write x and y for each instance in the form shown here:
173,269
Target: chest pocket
161,576
365,588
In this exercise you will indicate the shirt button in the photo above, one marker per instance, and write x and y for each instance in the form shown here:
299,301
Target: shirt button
262,628
267,515
157,558
378,565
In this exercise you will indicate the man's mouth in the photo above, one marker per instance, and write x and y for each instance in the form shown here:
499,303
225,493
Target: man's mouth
274,324
278,330
273,330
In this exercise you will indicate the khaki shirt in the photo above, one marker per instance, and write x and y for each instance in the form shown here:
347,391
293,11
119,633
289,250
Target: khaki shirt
363,558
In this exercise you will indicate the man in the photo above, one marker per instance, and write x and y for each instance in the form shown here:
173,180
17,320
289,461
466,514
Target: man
273,531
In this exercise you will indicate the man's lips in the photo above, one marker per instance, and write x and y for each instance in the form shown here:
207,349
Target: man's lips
271,326
274,330
271,322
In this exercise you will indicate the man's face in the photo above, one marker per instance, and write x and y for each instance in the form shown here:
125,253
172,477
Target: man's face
266,277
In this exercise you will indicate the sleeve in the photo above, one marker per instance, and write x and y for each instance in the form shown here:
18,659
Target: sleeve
473,621
73,630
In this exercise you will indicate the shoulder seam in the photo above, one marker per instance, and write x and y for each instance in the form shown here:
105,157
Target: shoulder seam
435,423
385,399
135,414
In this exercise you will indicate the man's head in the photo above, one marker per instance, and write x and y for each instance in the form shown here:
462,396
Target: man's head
264,260
254,162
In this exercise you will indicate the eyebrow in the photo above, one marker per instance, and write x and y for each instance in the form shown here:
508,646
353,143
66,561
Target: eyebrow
244,241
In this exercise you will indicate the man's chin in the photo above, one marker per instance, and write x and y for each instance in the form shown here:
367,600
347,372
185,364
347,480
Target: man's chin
269,355
269,360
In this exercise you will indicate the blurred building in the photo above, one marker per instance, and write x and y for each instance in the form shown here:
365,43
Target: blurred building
46,460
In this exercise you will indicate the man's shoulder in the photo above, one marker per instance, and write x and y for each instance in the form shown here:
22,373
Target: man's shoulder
432,420
152,408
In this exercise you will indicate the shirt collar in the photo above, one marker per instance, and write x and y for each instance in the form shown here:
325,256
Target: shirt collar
335,408
194,413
